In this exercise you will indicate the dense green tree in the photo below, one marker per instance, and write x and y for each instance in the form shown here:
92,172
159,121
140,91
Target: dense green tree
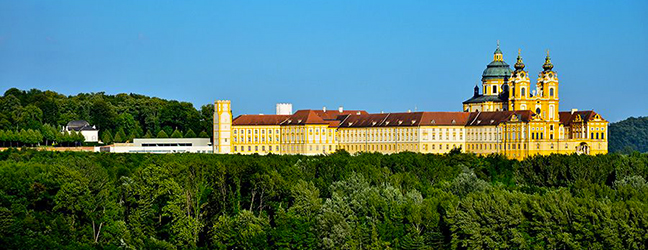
120,136
107,138
190,134
176,134
49,133
126,123
148,134
162,134
103,114
203,134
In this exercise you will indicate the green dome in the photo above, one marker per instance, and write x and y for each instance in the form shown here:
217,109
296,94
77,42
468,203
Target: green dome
496,69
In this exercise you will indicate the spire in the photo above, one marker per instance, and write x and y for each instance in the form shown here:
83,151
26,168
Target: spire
519,65
498,53
547,66
476,93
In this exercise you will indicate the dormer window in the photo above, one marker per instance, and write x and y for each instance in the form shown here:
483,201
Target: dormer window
433,121
453,121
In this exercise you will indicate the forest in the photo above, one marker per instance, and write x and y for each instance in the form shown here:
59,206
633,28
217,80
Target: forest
28,117
77,200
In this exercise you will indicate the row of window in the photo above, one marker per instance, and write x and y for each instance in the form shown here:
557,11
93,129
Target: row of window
256,148
256,139
256,131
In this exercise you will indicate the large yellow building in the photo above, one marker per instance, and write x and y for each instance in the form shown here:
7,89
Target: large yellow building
508,117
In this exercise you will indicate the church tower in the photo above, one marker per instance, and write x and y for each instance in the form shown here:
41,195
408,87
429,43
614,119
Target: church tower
222,127
519,95
547,92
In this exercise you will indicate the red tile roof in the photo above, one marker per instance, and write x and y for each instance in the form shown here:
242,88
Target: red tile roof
359,118
567,117
303,117
497,117
333,114
406,119
259,119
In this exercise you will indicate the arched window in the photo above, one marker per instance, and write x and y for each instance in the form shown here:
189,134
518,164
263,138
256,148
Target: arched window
551,92
551,111
494,89
523,92
537,111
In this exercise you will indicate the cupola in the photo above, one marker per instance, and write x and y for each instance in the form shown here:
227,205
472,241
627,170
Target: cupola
519,65
547,66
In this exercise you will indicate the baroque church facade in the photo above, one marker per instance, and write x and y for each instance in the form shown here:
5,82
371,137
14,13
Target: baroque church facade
509,117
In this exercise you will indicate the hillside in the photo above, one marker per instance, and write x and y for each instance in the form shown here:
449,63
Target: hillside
51,200
130,115
629,135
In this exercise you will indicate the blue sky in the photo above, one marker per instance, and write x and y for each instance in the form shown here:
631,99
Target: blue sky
372,55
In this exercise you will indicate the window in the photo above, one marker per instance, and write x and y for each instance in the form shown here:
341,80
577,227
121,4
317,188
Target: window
523,92
494,89
551,92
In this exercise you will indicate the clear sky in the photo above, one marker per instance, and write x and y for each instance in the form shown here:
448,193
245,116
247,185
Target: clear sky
372,55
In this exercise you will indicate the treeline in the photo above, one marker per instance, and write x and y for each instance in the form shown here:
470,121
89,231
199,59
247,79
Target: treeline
629,135
368,201
135,115
46,136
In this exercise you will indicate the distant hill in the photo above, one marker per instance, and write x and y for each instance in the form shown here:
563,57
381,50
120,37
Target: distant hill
629,134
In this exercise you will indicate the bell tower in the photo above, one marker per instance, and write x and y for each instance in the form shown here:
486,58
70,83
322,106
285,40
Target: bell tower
222,127
520,94
547,89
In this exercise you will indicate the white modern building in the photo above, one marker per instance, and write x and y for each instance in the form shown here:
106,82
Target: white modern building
162,146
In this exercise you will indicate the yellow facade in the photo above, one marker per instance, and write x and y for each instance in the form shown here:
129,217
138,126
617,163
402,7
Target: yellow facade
510,117
262,139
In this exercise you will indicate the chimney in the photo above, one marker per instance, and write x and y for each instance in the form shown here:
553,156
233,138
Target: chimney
341,109
409,111
324,109
574,111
